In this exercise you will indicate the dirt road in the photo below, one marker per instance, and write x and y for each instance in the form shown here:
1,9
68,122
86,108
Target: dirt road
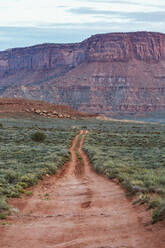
79,209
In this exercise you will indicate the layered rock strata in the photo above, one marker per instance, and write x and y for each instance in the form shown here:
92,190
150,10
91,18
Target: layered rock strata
118,73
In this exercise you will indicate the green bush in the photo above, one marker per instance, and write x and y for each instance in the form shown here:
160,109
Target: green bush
158,213
23,162
3,216
38,136
135,159
155,202
3,204
29,193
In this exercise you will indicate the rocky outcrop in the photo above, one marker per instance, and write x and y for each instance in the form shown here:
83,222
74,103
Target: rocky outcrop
119,73
142,46
38,108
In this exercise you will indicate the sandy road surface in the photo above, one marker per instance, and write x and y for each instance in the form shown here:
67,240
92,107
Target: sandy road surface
79,209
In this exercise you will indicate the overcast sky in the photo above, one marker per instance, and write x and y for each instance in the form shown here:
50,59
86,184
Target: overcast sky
29,22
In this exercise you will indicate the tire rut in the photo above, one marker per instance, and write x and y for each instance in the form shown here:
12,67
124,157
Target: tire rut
76,208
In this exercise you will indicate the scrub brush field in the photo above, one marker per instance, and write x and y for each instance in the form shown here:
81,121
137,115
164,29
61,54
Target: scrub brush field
27,154
135,156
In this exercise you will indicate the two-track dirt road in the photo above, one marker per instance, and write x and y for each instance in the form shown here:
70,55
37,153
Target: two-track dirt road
79,209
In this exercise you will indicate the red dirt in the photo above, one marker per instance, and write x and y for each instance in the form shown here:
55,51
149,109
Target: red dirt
79,209
25,107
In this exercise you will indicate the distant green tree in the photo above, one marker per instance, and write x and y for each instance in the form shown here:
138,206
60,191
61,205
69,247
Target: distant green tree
38,136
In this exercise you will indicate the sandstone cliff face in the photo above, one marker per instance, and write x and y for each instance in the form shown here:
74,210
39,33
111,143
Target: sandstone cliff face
42,58
148,47
111,73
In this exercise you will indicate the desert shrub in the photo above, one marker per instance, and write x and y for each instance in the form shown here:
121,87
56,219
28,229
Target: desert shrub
11,191
11,176
38,136
134,155
46,196
158,213
51,168
22,185
19,188
23,163
3,216
31,179
126,184
155,202
29,193
3,204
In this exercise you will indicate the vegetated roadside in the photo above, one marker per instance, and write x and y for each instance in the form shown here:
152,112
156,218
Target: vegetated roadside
135,157
78,208
27,154
131,152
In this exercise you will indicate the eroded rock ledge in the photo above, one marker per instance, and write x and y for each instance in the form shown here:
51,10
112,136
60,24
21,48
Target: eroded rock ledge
107,73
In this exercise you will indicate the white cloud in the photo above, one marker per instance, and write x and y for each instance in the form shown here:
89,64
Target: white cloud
37,12
27,22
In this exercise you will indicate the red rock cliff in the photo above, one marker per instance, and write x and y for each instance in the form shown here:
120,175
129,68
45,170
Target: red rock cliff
107,73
